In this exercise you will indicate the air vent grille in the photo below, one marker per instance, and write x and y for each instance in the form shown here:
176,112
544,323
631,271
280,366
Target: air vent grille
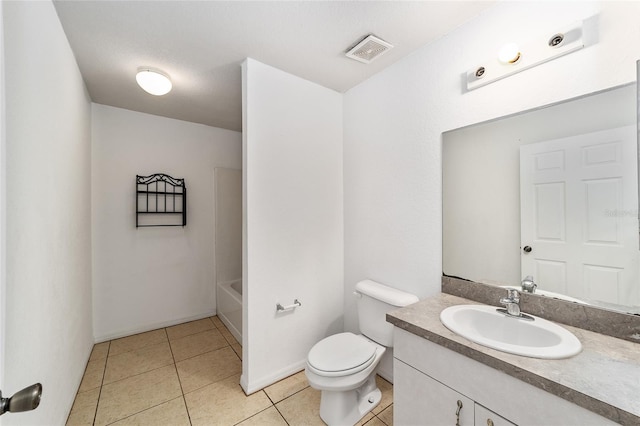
369,49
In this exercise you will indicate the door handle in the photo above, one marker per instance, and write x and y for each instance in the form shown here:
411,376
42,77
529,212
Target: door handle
25,400
527,249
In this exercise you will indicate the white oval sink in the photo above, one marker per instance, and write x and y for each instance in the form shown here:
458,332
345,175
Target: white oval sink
484,325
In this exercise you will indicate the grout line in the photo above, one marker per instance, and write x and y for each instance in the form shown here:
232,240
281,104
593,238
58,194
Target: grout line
175,365
295,393
95,414
206,352
280,412
142,411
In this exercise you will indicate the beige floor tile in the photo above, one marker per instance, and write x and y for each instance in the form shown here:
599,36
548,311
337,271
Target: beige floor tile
237,348
303,408
196,344
92,375
365,419
228,336
137,341
216,321
137,361
210,367
387,395
84,408
374,422
137,393
224,403
188,328
101,350
268,417
387,415
287,387
173,413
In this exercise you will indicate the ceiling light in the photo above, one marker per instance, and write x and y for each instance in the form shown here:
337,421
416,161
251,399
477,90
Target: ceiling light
153,81
509,53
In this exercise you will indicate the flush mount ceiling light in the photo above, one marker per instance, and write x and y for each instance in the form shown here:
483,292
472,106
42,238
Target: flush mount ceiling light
513,59
368,49
153,81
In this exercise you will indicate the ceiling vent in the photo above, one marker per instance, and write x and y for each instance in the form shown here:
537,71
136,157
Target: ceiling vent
368,49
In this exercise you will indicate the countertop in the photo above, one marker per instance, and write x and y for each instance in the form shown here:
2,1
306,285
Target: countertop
603,378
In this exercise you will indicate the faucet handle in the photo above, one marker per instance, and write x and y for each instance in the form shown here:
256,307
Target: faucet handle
513,295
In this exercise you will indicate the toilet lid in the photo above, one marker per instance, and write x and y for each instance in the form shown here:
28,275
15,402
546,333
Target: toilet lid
341,352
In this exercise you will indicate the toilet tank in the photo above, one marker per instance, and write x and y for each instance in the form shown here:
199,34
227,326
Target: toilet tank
374,301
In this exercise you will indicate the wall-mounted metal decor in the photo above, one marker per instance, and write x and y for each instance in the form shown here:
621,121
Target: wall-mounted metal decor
161,200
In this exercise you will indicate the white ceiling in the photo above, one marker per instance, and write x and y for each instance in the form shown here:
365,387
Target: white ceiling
201,45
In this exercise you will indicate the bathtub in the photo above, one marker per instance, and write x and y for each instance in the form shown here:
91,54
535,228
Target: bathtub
229,306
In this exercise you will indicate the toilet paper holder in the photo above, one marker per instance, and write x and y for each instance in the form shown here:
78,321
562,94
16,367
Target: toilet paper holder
280,308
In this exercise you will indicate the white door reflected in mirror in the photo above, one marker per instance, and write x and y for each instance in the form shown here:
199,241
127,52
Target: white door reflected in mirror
578,209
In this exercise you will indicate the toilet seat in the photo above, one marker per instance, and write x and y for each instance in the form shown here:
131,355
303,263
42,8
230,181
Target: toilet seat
341,355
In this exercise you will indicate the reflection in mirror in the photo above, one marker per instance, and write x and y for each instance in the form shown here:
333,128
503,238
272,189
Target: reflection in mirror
552,194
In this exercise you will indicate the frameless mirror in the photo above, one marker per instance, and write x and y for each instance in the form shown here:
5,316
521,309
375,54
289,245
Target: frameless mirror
550,193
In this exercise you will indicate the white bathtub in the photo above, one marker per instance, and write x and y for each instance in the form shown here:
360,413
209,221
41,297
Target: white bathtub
229,306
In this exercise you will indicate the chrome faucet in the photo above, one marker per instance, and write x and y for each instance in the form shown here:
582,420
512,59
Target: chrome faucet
512,302
528,286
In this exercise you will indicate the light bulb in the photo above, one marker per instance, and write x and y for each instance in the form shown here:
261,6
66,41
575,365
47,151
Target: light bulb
509,53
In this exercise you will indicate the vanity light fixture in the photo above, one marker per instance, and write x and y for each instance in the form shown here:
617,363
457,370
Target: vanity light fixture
513,59
153,81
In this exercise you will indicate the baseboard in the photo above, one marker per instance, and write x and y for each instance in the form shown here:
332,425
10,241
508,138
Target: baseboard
262,383
150,327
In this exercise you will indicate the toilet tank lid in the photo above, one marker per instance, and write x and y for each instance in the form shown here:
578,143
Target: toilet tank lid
385,293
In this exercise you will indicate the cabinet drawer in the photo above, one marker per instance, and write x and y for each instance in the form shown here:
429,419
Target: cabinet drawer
486,417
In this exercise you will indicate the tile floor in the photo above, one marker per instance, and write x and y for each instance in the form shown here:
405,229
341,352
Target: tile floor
189,374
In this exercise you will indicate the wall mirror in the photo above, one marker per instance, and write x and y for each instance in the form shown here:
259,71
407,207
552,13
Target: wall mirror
551,193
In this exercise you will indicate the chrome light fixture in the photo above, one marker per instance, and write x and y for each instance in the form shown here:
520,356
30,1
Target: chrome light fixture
25,400
512,59
153,81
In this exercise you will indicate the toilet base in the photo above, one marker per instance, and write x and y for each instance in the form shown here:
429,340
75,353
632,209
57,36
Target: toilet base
346,408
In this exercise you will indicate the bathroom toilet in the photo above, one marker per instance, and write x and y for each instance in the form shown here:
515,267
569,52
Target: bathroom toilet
343,366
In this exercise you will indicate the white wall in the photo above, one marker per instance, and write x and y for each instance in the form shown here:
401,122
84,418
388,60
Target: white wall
293,223
147,278
48,236
394,121
3,205
228,201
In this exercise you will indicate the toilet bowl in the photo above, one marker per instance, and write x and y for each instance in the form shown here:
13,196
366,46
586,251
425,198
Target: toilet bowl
344,366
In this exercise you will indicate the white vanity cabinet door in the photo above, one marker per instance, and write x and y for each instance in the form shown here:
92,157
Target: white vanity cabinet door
486,417
421,400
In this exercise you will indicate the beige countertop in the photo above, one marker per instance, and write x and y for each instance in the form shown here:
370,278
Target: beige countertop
603,378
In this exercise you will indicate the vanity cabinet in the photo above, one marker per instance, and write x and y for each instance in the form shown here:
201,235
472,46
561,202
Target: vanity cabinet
429,379
423,400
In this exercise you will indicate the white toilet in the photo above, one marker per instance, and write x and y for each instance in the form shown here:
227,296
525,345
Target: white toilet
343,366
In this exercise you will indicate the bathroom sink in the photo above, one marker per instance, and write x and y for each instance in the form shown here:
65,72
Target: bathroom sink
484,325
